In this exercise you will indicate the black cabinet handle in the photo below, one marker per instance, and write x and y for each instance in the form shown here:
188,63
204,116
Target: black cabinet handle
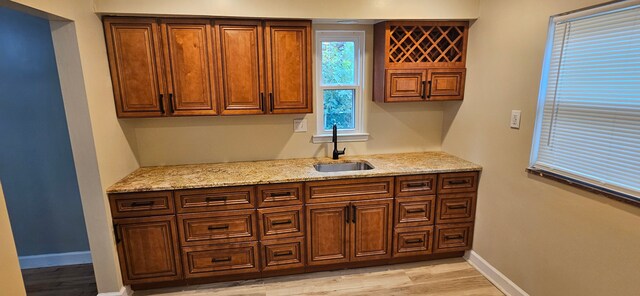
280,194
457,236
271,102
281,222
210,199
347,213
414,185
116,233
285,253
457,182
414,241
226,226
161,103
216,260
172,107
424,90
354,214
430,86
262,103
411,211
456,206
142,203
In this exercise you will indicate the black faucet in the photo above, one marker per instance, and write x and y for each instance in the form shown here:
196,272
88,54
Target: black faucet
336,152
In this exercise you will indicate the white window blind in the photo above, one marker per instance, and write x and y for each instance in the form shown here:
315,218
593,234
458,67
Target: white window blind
588,119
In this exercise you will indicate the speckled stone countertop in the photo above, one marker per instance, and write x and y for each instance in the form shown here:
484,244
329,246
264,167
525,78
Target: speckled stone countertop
284,170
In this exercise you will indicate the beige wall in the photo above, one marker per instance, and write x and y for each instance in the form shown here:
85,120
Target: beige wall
326,9
10,276
393,128
548,238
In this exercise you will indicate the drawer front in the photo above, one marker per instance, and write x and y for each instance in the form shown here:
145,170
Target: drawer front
226,198
413,241
281,222
280,195
456,208
216,227
282,254
216,260
126,205
349,190
453,237
415,211
458,182
415,185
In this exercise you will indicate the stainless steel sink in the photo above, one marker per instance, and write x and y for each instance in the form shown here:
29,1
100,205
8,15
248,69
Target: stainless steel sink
343,166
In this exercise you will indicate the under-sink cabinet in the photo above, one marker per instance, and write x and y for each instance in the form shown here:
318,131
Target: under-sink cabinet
185,236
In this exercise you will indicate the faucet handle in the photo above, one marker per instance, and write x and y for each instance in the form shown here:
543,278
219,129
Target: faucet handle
343,150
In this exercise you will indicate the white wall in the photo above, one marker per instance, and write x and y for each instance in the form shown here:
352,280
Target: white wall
10,276
549,238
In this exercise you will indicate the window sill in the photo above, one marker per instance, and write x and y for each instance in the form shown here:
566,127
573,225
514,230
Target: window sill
619,196
357,137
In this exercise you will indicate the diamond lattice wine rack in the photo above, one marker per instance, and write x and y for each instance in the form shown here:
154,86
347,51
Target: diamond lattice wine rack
419,60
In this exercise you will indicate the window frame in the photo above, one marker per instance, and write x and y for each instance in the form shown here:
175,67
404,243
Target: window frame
592,185
359,132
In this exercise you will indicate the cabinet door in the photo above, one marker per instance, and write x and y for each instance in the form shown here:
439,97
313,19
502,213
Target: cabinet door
328,233
133,47
406,85
371,227
241,67
446,84
189,65
148,249
288,61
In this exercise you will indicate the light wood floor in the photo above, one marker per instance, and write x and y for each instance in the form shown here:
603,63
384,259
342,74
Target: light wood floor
442,277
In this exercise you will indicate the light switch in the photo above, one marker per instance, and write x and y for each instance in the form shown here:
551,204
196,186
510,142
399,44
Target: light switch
515,119
300,125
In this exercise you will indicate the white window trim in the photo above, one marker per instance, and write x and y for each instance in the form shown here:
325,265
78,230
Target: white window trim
359,133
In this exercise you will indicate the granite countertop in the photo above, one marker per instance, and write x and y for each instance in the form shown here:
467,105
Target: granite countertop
284,170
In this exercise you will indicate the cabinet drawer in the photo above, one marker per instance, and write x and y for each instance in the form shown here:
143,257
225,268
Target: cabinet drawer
216,227
125,205
349,190
281,222
282,253
415,211
216,260
415,185
280,195
458,182
413,241
456,208
226,198
453,237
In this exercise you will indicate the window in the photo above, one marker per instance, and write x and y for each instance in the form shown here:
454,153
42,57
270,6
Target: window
339,75
588,118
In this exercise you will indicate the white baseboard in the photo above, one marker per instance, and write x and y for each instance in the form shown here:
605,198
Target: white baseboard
58,259
493,275
124,291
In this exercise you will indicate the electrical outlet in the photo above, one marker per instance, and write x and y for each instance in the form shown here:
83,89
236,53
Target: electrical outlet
515,119
300,125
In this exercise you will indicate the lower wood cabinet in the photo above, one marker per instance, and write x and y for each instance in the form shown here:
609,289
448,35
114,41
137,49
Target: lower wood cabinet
200,235
349,231
148,249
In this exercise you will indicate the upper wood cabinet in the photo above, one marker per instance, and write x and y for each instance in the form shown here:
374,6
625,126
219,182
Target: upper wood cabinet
189,66
288,60
241,67
133,46
186,67
419,60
